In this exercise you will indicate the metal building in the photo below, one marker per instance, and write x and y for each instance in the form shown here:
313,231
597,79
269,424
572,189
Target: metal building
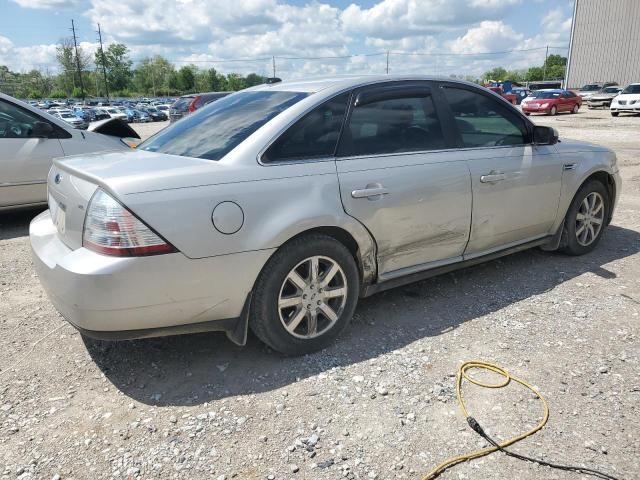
605,42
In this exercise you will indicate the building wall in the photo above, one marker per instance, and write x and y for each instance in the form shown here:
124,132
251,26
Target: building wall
605,42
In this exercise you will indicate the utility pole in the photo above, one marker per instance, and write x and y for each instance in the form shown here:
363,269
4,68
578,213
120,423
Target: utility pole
273,60
387,62
75,43
104,63
546,56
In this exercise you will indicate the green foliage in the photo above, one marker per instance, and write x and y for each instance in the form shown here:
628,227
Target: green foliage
116,61
556,65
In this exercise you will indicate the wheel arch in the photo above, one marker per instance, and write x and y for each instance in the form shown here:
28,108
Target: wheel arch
609,183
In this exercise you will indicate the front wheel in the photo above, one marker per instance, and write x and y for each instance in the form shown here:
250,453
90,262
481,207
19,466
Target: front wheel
305,295
615,114
553,111
586,218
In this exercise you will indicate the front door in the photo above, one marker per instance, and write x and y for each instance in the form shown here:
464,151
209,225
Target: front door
24,159
516,185
398,179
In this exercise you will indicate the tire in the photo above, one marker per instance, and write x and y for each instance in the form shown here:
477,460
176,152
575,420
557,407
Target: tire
553,111
527,113
269,314
574,239
615,114
576,107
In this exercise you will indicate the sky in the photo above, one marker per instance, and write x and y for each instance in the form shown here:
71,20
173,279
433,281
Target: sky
440,37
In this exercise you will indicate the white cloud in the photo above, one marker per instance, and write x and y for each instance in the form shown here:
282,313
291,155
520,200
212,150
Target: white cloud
487,37
47,4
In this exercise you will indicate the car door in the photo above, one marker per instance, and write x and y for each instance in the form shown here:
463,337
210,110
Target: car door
25,155
516,185
398,178
566,102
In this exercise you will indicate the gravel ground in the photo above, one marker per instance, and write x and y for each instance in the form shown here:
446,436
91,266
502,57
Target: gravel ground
380,403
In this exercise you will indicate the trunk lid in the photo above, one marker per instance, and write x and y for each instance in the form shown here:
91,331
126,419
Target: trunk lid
72,181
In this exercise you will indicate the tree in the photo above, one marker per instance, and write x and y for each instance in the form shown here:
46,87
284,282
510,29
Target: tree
118,65
155,76
556,65
187,78
254,79
498,74
66,57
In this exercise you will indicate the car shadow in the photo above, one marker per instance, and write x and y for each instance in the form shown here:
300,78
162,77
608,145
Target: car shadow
193,369
15,223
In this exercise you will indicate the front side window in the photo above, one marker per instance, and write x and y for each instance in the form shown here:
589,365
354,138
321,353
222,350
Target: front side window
393,125
482,121
16,122
213,131
313,136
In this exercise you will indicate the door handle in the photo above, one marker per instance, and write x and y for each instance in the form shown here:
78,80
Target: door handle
373,191
493,176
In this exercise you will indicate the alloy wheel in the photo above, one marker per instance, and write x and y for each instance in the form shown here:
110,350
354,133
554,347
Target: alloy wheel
589,219
312,297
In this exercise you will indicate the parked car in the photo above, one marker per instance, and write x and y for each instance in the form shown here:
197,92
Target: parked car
114,112
509,97
73,120
551,102
31,138
142,116
603,98
587,91
521,93
155,114
360,185
628,101
190,103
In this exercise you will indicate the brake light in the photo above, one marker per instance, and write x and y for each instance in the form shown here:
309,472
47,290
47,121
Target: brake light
193,105
111,229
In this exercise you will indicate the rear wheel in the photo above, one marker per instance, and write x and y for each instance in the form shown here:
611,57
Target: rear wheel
305,295
553,111
576,107
586,218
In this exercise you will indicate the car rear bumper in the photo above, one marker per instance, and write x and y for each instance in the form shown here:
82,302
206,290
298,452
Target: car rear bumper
134,297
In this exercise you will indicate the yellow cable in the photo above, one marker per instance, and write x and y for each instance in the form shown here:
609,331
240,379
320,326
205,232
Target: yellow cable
462,374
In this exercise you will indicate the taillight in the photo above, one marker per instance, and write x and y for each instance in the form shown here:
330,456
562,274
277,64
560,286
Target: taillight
193,105
111,229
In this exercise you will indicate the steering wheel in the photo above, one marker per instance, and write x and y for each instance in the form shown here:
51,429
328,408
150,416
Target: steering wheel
502,141
16,130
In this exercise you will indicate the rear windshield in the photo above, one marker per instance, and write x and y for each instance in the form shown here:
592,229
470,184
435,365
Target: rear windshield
546,94
182,104
215,130
632,89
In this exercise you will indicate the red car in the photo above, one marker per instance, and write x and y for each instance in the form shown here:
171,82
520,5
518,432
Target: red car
551,102
509,97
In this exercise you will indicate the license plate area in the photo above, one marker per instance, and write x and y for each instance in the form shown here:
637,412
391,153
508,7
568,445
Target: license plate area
58,214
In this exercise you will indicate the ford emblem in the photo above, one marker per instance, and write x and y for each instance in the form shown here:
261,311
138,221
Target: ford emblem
57,178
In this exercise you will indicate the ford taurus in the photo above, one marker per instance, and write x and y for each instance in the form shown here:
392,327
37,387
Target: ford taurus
275,208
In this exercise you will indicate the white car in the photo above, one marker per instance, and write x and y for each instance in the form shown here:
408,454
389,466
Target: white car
628,101
114,113
29,141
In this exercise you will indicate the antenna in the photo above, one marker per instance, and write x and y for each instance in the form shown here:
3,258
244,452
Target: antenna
75,43
104,63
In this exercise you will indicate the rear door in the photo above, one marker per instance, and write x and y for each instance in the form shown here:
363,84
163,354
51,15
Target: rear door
24,158
398,178
516,185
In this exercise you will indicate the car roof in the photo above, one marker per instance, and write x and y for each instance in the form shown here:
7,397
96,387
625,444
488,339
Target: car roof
350,81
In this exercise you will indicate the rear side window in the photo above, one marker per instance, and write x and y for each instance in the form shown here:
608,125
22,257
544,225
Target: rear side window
395,125
313,136
216,129
182,104
482,121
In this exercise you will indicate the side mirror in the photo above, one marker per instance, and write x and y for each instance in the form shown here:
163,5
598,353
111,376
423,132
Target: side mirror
41,130
545,135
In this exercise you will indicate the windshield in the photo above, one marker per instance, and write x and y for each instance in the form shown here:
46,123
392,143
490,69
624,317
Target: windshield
215,130
545,94
635,88
610,90
590,88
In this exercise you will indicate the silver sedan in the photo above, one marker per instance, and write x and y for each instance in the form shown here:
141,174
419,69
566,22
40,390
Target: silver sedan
277,207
